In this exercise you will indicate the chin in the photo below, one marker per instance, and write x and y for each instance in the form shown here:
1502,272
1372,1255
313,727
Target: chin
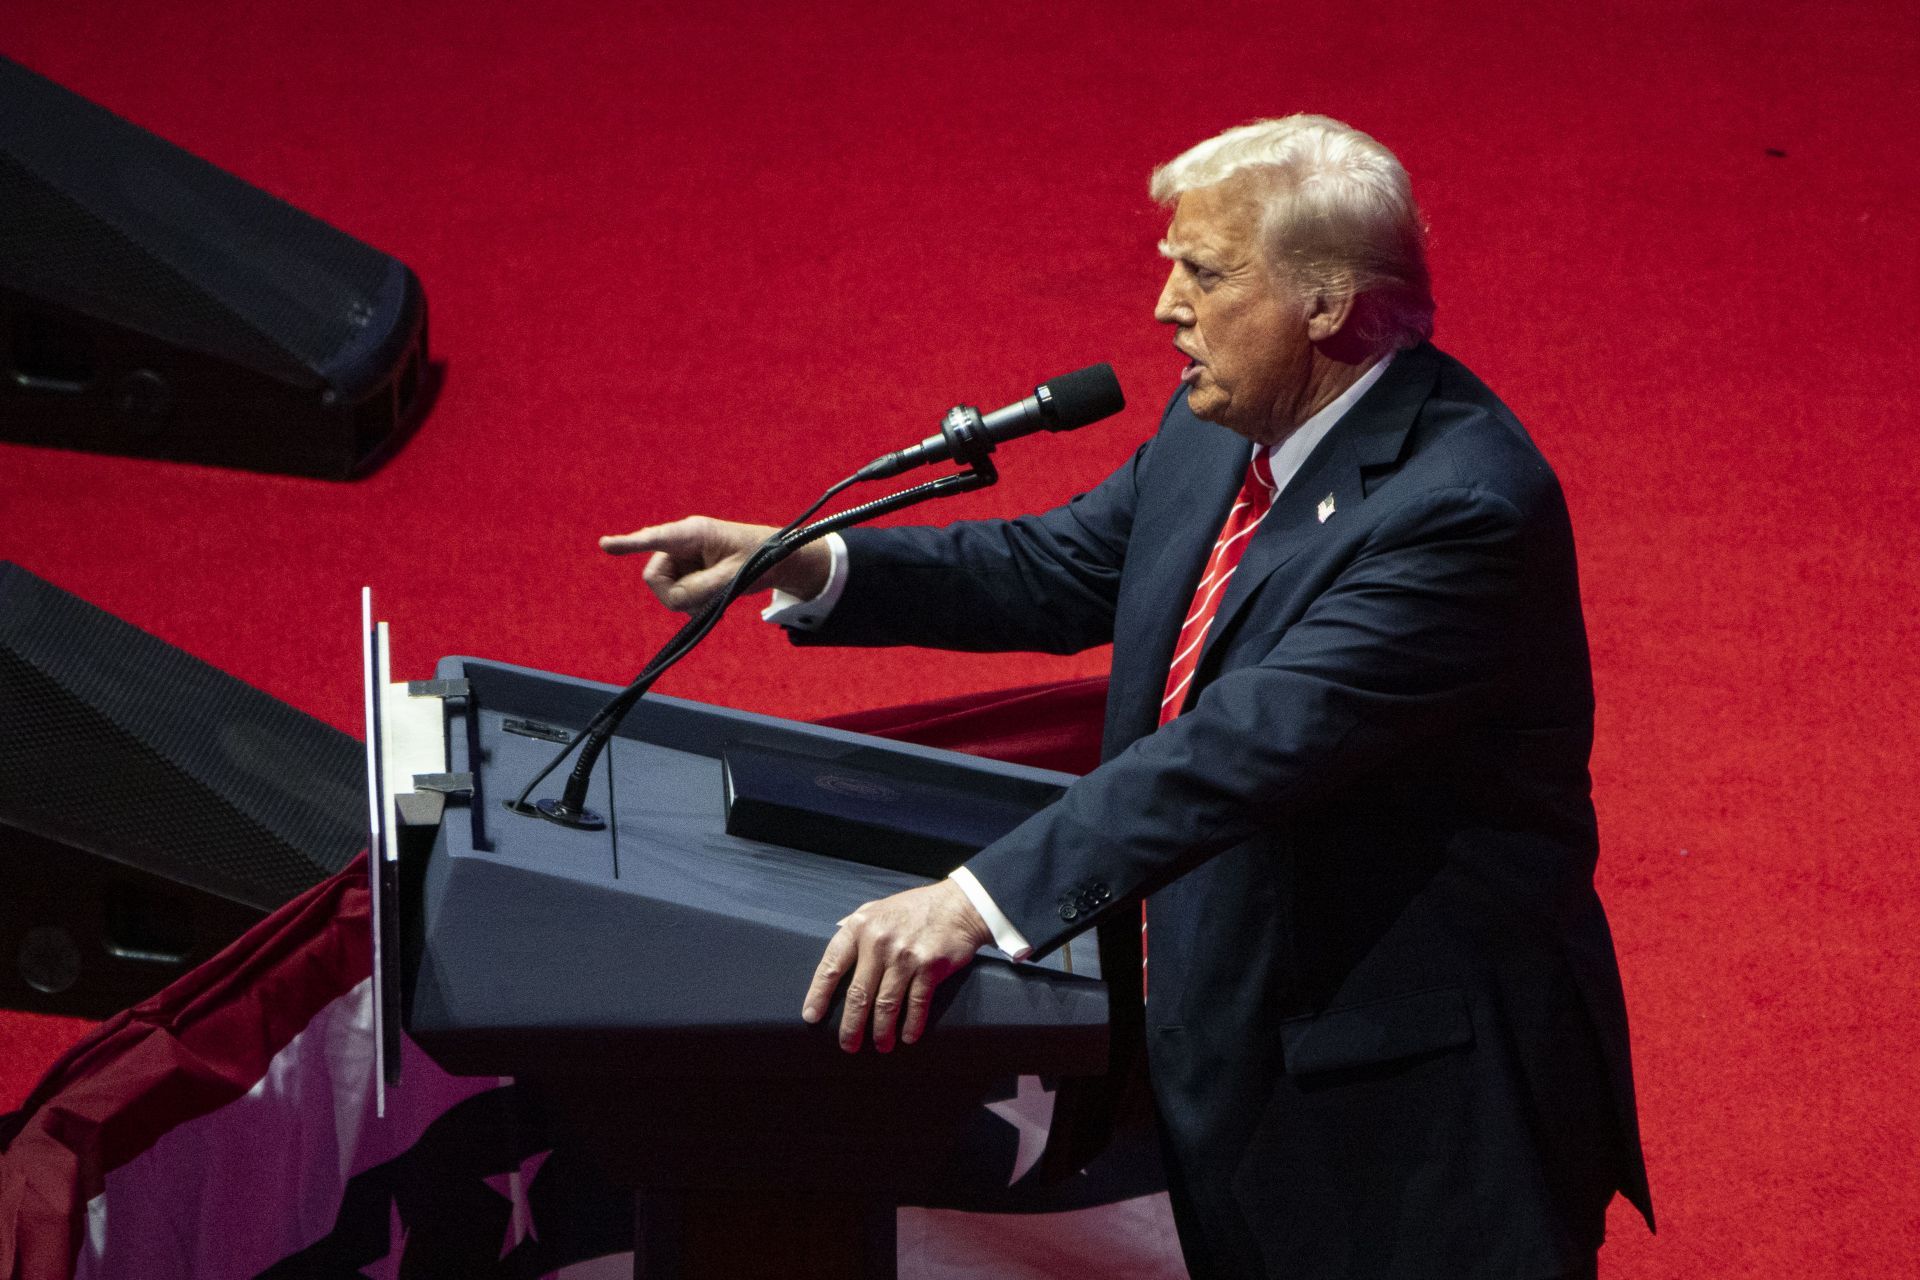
1219,412
1206,407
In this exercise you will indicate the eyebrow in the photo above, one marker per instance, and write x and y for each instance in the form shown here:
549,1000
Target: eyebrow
1189,254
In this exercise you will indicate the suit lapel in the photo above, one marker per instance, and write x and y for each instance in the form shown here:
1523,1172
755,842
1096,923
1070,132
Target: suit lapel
1332,483
1329,480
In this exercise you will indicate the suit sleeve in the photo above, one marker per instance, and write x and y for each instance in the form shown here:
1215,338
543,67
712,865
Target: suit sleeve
1408,642
1044,583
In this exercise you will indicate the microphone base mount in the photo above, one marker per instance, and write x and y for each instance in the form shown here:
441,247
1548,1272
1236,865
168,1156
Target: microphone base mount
559,811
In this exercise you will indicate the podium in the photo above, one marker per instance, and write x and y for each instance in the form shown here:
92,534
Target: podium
646,978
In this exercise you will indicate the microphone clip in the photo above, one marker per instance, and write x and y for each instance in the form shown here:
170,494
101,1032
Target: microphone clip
966,435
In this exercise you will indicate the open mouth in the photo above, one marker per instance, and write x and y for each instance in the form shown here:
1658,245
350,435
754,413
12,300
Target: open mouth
1191,374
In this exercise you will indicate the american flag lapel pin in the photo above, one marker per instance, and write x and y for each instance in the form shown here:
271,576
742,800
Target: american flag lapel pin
1325,508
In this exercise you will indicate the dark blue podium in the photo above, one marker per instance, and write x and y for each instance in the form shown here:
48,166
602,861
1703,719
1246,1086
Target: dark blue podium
646,977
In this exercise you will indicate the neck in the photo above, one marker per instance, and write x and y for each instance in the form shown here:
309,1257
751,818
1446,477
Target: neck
1325,382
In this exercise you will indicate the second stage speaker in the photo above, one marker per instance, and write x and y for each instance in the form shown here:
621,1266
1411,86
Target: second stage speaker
152,807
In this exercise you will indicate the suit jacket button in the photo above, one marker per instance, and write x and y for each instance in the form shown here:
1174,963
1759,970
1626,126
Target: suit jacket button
1068,911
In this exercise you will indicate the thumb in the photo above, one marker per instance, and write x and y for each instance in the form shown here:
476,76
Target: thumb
690,591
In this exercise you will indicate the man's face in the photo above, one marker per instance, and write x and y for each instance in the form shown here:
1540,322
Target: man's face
1243,328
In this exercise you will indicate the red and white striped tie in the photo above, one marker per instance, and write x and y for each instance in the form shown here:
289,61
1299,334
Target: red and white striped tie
1249,508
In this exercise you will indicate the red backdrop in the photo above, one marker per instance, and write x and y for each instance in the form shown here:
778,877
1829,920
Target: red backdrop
709,257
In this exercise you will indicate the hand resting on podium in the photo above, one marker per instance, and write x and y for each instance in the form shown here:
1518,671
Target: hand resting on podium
897,950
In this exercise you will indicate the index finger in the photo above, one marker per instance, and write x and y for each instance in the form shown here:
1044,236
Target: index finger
680,537
833,966
625,544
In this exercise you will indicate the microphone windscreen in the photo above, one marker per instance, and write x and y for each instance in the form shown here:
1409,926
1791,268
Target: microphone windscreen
1084,396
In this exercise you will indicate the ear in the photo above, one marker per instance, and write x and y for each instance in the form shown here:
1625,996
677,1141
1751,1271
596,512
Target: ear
1327,315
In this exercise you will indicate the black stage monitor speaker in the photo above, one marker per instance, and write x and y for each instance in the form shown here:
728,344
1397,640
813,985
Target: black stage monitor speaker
152,304
151,807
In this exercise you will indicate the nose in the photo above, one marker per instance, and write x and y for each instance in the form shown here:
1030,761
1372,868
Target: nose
1173,306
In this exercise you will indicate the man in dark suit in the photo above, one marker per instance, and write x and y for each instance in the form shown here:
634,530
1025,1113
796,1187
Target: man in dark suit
1345,757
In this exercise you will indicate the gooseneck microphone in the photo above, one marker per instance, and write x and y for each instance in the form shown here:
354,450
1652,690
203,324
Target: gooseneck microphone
966,435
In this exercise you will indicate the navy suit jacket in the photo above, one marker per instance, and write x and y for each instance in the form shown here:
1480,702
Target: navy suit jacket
1386,1032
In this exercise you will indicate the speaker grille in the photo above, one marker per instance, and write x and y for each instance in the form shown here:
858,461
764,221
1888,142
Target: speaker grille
119,744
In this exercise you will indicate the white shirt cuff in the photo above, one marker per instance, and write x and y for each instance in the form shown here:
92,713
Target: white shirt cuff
789,610
1005,936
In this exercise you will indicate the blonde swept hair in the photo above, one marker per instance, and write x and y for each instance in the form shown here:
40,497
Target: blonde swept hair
1337,217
